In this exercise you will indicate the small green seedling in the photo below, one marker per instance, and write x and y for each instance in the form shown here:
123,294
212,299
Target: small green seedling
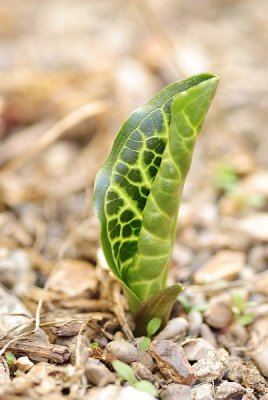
138,191
188,306
93,345
10,358
239,309
225,178
126,373
151,329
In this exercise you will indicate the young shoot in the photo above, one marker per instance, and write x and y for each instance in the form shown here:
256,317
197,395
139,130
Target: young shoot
151,329
126,373
138,191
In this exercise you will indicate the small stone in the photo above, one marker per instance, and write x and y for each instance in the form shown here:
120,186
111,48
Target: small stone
224,265
219,313
255,225
82,275
229,391
146,359
208,335
203,391
253,379
97,373
195,323
113,392
172,362
195,349
174,330
260,358
24,364
258,258
223,356
123,351
249,396
176,391
234,370
141,372
209,368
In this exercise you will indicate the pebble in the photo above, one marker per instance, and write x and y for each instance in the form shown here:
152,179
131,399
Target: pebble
141,372
195,323
249,396
80,273
229,391
224,265
24,364
172,362
258,258
209,368
146,359
260,358
97,373
123,351
234,370
174,330
113,392
176,391
195,349
207,334
253,379
219,313
203,391
256,226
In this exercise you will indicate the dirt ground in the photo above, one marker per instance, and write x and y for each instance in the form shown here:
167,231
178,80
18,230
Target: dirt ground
70,73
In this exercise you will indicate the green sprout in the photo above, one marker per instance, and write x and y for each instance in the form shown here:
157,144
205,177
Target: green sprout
152,327
10,358
240,309
138,191
188,306
225,178
93,345
126,373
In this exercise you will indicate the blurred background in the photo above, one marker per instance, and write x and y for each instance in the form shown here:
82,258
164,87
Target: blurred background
72,71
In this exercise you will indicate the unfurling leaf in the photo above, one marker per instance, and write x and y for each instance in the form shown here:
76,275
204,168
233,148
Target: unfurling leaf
139,188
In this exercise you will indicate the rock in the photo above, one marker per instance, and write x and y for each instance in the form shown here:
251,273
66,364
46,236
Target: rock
112,392
123,351
209,368
234,370
229,391
141,372
224,265
223,356
16,271
195,349
203,391
172,362
24,364
146,359
255,225
195,323
207,334
252,378
80,273
258,258
97,373
260,358
219,313
176,391
174,330
255,183
249,396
